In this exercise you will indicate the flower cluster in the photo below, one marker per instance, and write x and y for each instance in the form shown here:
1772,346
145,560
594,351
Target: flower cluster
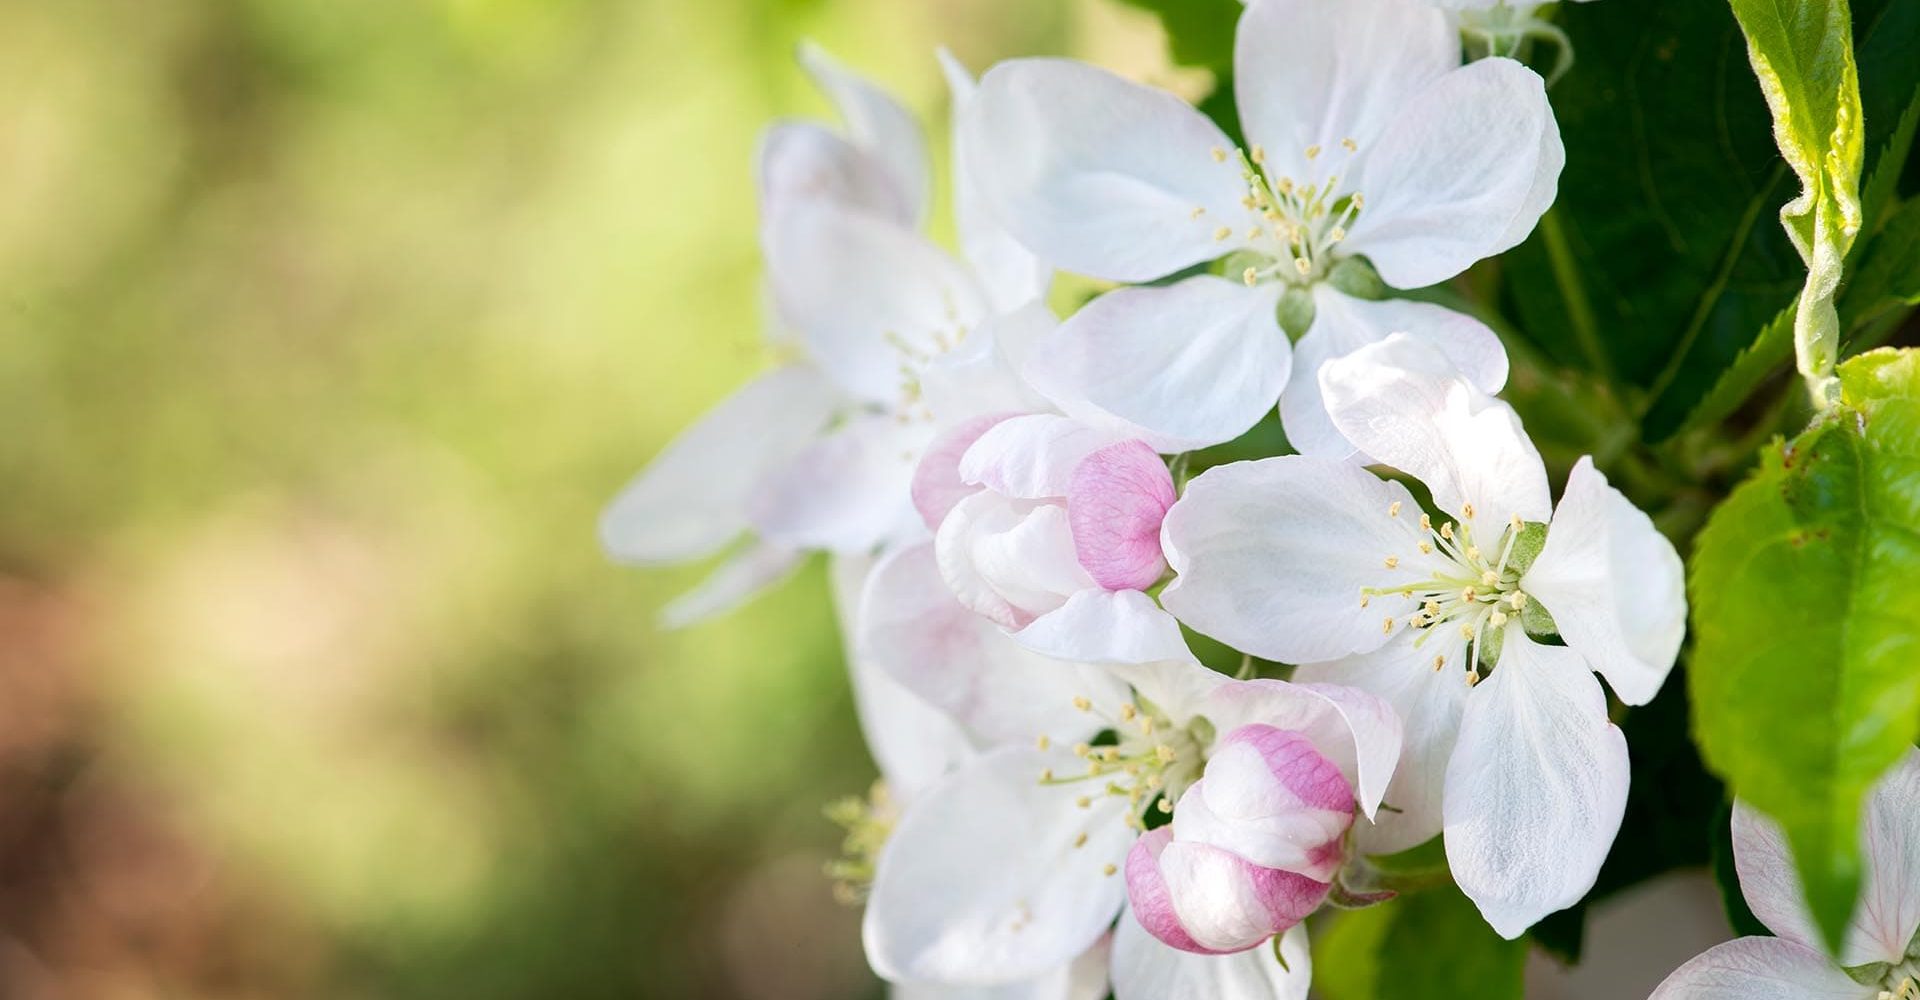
1072,802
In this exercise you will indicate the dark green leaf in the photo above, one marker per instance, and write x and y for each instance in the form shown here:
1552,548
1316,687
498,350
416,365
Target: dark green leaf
1889,271
1804,677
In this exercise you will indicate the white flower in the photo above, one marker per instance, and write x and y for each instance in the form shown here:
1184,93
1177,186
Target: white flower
819,453
915,743
1319,563
1010,865
1880,957
1369,139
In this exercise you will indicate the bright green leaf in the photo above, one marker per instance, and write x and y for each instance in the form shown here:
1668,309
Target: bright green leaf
1430,945
1806,662
1802,53
1199,32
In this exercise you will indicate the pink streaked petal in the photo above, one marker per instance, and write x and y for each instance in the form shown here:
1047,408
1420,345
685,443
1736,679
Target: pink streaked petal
1116,500
1033,457
1226,903
937,485
1147,891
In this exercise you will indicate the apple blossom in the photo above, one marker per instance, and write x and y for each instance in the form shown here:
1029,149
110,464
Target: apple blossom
1050,527
914,743
1011,864
1369,140
1880,956
1453,620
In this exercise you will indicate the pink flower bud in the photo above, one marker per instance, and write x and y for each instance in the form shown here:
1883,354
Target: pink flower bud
1202,899
1270,797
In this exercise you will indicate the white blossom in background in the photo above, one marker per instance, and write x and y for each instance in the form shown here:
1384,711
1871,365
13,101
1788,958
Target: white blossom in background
1450,618
894,336
1369,139
1011,865
1880,956
1502,27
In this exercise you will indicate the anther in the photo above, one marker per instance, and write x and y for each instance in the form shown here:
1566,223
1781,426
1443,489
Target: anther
1093,768
1221,234
1467,594
1349,145
1254,233
1426,548
1083,802
1108,869
1080,702
1046,775
1438,662
1336,234
1300,264
1473,679
1259,153
1467,509
1446,531
1490,578
1127,712
1219,155
1165,805
1393,561
1426,523
1497,619
1518,599
1517,523
1250,276
1043,743
1199,210
1393,509
1165,753
1313,152
1364,599
1080,841
1386,626
1466,631
1081,749
1473,553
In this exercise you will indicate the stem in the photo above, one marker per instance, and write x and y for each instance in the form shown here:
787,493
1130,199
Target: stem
1566,274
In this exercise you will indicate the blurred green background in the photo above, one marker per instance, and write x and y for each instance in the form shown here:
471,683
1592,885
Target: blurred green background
326,327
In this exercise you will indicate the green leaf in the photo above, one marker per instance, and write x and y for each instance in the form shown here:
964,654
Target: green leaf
1802,52
1659,240
1806,662
1752,366
1430,945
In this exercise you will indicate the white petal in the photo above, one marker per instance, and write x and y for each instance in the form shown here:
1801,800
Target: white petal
877,124
1405,404
847,492
1183,689
913,629
1461,174
981,882
1536,788
867,296
1097,174
1758,968
1240,808
1272,557
1102,626
693,498
1357,731
1887,915
1614,585
1033,456
1009,560
1186,365
802,162
1145,969
982,373
1010,273
1311,73
1084,979
1429,703
744,574
912,742
1343,324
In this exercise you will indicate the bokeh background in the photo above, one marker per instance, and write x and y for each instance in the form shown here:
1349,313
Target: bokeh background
326,327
